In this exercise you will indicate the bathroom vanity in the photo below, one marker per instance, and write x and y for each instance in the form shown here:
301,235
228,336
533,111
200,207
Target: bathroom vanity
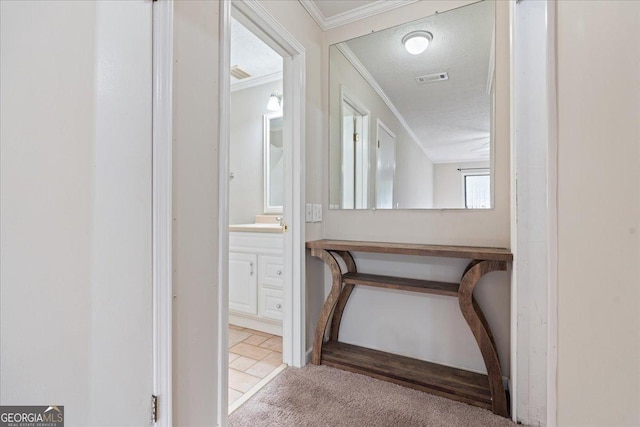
256,276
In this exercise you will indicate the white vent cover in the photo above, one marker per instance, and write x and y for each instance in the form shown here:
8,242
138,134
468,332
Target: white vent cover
430,78
239,73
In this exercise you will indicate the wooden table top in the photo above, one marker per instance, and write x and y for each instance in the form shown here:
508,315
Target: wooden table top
468,252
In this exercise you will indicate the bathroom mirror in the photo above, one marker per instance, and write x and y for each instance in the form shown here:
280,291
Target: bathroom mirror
411,111
273,163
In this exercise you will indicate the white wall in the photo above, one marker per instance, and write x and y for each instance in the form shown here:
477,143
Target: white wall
598,213
448,183
413,183
246,189
195,211
407,325
75,294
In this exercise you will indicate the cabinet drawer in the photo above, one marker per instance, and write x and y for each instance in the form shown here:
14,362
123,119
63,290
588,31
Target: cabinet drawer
271,304
270,271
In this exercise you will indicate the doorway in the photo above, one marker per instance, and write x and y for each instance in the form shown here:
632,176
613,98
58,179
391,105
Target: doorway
385,167
355,152
277,266
257,266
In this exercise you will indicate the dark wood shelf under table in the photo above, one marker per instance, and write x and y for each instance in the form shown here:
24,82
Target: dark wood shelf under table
445,381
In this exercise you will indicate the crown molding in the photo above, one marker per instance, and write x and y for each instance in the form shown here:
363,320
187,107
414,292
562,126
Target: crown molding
374,8
315,13
256,81
353,59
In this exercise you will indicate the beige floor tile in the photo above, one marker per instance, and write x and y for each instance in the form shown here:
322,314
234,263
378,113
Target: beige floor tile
233,356
256,339
242,363
262,334
274,358
236,336
250,351
274,344
261,369
241,381
234,395
237,328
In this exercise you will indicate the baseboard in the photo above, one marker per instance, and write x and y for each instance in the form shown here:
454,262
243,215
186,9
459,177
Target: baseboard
308,355
264,325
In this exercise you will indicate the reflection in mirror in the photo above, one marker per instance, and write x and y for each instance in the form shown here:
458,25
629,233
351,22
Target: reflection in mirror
273,163
411,128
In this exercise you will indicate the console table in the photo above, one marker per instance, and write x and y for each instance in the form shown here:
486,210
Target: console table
486,391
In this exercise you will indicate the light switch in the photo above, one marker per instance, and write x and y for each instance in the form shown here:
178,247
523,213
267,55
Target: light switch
308,212
317,213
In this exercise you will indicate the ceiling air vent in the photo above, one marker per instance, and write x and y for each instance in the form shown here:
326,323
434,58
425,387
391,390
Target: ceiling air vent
239,73
438,77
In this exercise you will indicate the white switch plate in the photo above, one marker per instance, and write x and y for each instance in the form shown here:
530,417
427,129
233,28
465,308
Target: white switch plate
317,213
308,212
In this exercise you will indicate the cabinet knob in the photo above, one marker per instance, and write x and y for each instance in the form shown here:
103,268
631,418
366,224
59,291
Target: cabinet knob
279,272
278,306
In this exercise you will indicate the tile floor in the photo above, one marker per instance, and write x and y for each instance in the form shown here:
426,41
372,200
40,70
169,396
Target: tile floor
252,356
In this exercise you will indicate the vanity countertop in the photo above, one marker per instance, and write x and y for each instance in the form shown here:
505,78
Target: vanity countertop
257,228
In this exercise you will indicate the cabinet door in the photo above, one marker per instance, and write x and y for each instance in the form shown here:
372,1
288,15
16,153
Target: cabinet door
243,283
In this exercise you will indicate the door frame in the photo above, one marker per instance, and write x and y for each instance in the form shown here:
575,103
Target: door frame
260,21
162,265
534,355
381,125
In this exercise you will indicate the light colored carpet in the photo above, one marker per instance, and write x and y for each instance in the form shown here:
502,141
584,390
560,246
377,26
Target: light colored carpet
321,396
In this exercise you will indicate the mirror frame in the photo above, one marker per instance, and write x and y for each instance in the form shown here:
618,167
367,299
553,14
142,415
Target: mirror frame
266,160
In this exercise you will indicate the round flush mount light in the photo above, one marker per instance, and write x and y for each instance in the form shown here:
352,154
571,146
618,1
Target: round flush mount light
417,42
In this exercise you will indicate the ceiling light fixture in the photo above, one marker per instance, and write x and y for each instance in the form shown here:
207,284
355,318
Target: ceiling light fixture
417,42
275,101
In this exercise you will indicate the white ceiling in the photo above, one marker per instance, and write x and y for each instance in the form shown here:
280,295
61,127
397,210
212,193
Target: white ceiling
334,13
451,119
252,55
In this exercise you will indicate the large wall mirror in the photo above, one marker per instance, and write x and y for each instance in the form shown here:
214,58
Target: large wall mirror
411,110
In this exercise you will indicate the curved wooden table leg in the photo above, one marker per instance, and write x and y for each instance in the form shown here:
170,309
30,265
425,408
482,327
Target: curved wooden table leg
329,304
344,295
481,331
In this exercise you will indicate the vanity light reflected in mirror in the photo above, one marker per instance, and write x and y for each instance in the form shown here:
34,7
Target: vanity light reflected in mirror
275,101
411,111
417,42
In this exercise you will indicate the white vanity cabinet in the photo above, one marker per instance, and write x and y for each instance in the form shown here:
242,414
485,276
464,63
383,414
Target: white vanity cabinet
256,279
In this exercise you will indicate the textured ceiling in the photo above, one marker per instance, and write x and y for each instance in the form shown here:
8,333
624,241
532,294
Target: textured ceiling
450,118
251,53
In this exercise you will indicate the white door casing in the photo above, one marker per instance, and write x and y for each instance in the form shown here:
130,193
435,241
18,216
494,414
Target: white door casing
385,167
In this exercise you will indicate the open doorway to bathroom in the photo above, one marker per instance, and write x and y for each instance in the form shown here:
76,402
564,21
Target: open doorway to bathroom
257,264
